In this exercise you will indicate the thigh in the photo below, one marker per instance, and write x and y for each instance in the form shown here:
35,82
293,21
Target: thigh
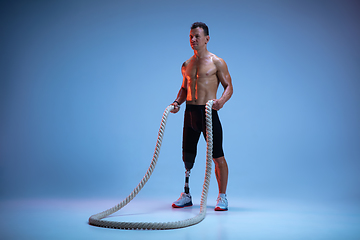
190,135
217,136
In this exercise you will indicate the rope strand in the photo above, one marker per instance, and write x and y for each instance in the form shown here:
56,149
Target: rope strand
97,219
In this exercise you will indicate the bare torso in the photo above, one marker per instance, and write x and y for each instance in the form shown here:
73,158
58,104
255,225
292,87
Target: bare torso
200,79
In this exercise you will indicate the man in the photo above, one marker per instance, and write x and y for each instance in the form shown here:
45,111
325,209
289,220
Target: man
202,74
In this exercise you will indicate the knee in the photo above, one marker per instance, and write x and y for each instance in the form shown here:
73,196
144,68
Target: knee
220,161
189,159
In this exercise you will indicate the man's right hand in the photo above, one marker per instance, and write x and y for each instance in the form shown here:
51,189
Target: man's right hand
176,107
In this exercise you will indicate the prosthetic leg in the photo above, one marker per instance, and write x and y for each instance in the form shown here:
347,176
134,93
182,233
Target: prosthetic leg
185,197
189,159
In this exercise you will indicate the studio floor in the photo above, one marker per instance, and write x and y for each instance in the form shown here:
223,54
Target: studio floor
246,219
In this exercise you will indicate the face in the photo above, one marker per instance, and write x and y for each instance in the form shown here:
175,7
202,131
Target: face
198,39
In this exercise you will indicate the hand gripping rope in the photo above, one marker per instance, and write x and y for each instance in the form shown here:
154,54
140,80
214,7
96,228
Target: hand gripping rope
96,219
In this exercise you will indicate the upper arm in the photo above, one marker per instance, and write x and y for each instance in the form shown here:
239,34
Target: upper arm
184,82
223,73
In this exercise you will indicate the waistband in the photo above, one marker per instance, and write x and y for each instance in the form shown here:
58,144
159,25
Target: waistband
191,107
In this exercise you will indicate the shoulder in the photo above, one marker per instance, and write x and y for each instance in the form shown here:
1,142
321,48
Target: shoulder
187,62
219,62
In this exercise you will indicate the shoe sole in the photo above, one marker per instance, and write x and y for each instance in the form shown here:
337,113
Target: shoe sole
186,205
220,209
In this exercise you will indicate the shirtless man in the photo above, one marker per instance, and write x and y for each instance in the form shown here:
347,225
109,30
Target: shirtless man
202,74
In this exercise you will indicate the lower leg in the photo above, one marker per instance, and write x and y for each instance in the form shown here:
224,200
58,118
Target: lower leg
189,159
185,197
221,173
187,176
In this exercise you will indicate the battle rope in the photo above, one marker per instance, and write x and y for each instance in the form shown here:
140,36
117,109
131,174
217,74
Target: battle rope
96,219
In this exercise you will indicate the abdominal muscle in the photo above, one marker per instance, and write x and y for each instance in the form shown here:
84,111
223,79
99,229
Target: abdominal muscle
204,90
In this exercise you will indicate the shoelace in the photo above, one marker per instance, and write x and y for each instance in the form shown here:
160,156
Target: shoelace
221,200
182,196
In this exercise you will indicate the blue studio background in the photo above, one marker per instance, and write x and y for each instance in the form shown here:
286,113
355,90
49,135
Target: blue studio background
83,85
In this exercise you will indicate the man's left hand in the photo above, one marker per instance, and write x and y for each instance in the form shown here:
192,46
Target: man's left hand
217,105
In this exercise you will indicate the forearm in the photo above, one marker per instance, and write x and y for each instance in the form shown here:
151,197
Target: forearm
228,91
181,97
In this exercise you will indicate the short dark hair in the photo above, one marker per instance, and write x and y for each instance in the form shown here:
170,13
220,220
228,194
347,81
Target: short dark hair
201,25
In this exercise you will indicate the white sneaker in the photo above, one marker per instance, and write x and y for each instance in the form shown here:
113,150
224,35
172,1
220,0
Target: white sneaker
221,204
183,201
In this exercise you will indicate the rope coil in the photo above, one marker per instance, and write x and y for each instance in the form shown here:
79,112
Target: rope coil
97,219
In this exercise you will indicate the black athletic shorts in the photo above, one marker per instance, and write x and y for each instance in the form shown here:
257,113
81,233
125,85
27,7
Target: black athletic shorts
194,124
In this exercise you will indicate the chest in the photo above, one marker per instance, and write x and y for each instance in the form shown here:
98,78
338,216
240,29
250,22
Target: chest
202,68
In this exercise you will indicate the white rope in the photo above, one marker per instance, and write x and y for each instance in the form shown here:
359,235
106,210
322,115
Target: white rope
97,219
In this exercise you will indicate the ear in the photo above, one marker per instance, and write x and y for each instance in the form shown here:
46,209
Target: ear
207,38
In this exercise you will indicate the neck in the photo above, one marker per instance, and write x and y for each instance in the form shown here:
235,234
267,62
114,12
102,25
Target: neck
200,53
